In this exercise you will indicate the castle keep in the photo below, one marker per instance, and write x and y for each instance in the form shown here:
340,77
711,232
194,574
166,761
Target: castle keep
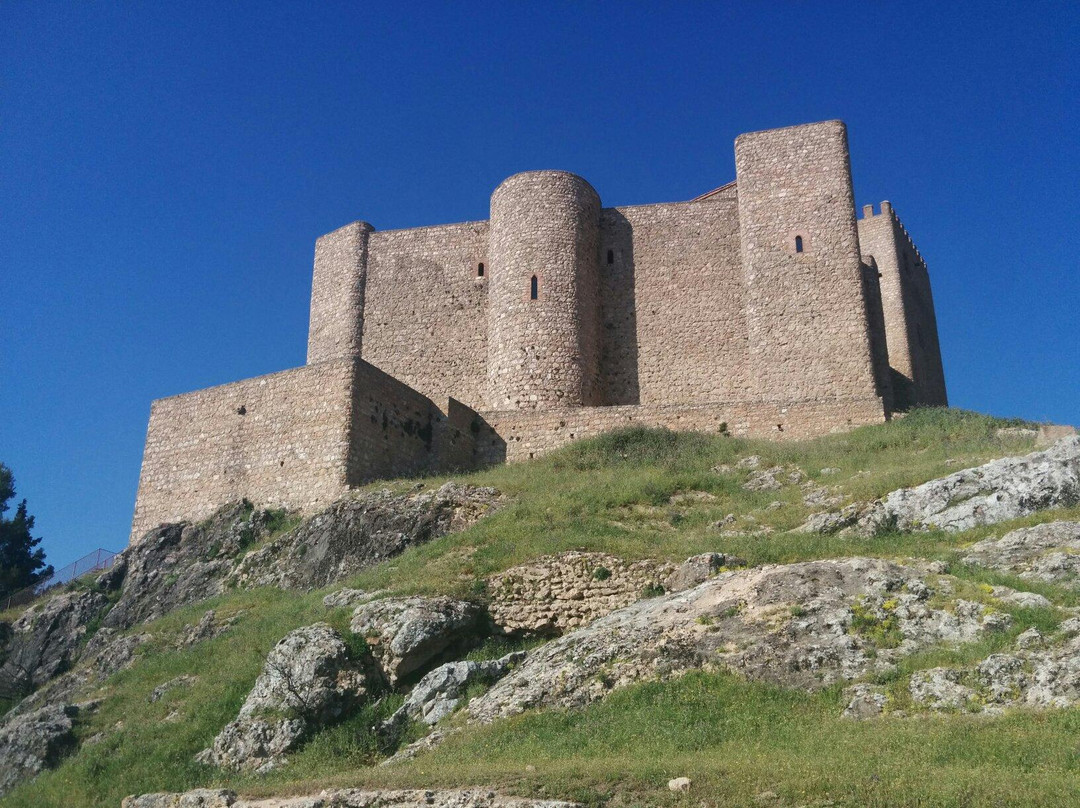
765,307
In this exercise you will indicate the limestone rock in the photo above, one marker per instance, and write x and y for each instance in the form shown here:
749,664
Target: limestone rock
32,742
864,701
700,568
308,680
801,625
1049,552
939,689
199,798
556,593
679,784
406,634
994,492
438,694
346,798
360,531
183,680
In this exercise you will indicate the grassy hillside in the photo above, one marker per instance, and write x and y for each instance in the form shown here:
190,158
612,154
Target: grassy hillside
742,743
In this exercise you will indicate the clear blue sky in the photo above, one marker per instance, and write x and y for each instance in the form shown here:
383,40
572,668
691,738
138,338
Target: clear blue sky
167,167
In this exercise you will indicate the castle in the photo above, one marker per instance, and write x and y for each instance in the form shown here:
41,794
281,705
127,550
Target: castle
764,307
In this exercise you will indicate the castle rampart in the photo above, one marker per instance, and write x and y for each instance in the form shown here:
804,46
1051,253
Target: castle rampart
756,308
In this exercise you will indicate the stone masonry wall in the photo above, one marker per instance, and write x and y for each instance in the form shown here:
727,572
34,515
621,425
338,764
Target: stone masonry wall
425,309
673,304
525,435
298,439
337,293
908,306
543,351
806,319
281,439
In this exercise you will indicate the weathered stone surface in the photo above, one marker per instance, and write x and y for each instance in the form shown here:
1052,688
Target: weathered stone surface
199,798
438,694
802,625
47,639
699,568
407,634
346,798
183,680
556,593
994,492
864,701
1048,552
32,742
940,689
360,531
308,681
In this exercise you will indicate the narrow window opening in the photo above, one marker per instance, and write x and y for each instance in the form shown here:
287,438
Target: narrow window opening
534,289
480,270
611,256
798,243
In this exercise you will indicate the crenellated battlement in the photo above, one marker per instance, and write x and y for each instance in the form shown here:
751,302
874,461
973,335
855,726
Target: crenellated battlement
750,308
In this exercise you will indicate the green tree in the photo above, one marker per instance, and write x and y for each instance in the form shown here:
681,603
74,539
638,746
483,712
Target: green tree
20,564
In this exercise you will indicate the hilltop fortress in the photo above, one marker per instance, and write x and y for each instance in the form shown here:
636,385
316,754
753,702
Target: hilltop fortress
762,308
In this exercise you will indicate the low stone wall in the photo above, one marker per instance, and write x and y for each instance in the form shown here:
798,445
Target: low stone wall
529,434
557,593
282,439
299,439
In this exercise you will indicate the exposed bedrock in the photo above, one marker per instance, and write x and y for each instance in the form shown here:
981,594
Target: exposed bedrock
360,531
346,798
309,679
1049,553
994,492
802,625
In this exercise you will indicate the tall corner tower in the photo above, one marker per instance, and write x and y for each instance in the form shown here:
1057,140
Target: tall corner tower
543,293
337,293
806,318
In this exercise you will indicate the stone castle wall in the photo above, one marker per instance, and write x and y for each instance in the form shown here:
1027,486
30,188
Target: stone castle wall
908,306
298,439
762,307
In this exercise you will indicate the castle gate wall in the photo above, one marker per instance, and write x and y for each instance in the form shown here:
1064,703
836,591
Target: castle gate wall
281,440
806,318
672,304
425,309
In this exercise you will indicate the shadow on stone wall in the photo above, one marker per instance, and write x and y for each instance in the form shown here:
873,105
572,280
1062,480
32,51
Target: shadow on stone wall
618,311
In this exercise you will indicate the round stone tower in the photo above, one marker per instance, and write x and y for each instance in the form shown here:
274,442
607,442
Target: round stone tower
543,292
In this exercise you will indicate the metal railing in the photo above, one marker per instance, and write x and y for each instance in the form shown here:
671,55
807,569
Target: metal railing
97,561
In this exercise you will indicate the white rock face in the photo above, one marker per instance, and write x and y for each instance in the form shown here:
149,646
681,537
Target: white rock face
802,625
405,634
308,680
1049,552
999,490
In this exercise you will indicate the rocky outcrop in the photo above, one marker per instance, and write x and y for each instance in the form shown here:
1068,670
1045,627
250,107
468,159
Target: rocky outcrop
1048,553
1039,673
557,593
438,694
360,531
346,798
698,569
47,639
408,634
32,742
177,564
994,492
309,680
803,625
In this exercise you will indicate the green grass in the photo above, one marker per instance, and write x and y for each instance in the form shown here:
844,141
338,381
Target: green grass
735,739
